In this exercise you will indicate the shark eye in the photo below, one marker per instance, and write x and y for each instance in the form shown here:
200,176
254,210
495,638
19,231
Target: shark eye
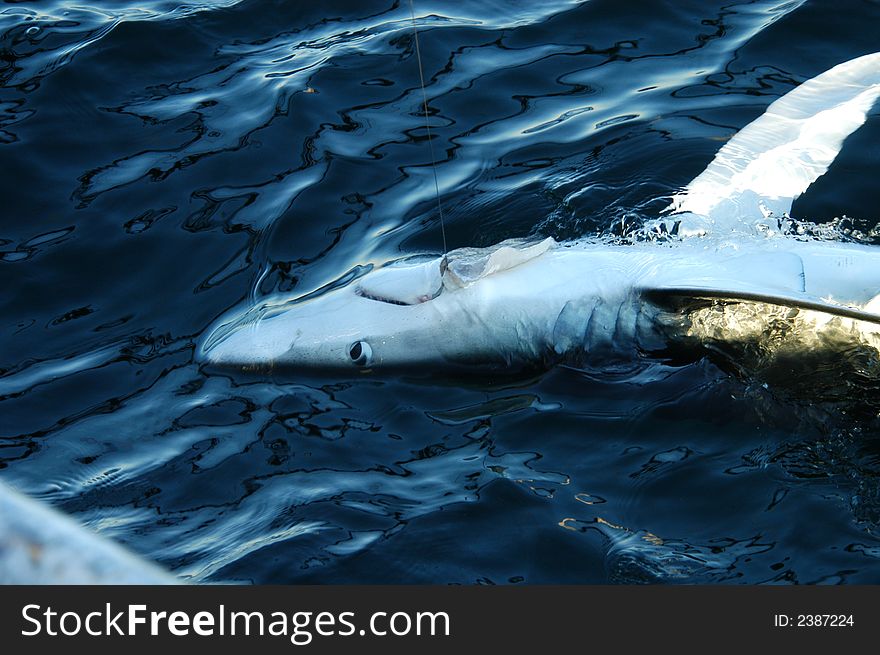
360,353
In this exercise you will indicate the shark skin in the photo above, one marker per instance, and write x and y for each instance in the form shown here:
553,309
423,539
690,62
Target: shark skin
525,305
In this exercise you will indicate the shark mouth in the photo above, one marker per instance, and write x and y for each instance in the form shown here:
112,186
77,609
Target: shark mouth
394,301
403,284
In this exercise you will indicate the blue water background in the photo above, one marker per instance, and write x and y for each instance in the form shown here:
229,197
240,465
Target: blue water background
163,162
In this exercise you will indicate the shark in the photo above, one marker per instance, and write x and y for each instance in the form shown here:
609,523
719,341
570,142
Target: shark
723,273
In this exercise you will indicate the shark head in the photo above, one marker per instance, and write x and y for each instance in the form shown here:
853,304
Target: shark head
452,311
392,317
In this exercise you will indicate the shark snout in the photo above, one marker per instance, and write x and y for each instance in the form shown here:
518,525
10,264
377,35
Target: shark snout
343,330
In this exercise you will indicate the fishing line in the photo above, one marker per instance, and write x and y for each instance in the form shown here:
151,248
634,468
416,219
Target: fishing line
427,124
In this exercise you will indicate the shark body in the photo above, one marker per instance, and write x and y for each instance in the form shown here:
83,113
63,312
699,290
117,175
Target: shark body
535,304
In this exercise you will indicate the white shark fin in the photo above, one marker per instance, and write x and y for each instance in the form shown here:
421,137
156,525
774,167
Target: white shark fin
770,278
772,160
761,271
678,297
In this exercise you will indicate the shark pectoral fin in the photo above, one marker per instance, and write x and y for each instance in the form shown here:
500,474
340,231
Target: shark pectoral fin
683,298
772,160
765,271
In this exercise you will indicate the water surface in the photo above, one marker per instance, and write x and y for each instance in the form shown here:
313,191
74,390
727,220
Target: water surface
164,162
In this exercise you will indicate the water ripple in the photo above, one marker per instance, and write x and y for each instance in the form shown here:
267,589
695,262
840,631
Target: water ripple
166,161
38,41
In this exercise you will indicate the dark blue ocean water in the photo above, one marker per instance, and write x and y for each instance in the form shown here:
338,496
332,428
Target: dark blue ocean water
163,162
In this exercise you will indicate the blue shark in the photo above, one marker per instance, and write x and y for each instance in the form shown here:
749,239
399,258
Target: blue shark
724,276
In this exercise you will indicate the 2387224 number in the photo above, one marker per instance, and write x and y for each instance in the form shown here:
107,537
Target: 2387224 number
825,620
